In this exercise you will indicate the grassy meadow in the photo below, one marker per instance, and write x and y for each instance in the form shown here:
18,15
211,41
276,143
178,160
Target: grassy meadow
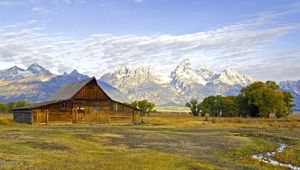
166,141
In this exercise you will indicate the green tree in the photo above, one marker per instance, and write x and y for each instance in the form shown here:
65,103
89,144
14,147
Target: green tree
3,108
243,106
10,106
256,100
211,105
288,99
272,85
287,106
21,103
194,106
228,106
220,106
144,105
261,99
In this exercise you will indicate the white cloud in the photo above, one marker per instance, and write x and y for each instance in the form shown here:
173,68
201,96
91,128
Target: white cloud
241,45
11,3
40,10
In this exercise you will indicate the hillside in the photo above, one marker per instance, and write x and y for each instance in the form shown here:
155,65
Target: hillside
126,84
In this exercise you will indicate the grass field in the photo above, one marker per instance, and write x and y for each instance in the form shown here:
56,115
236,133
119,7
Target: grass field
163,142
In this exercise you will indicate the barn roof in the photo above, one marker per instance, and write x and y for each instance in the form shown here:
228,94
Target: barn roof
37,105
70,90
66,93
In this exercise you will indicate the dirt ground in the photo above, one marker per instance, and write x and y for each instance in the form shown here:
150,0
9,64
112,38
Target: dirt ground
160,143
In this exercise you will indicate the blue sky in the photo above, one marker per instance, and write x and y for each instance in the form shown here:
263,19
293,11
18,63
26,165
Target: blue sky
260,38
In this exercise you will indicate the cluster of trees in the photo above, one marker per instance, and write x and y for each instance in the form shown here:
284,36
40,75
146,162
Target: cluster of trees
144,105
256,100
7,108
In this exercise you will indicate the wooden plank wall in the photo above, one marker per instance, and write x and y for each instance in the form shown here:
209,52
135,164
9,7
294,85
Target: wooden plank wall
91,91
91,115
120,113
22,116
59,112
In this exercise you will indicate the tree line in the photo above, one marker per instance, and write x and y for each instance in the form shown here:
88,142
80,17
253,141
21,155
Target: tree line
259,99
7,107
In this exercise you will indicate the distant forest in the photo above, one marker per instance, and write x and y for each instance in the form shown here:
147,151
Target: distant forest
256,100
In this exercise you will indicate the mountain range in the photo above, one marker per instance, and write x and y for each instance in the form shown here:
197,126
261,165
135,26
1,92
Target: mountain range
126,84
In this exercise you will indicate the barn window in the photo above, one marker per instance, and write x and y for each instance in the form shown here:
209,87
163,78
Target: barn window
63,105
80,109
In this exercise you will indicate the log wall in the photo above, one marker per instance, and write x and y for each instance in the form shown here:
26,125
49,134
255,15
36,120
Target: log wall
22,116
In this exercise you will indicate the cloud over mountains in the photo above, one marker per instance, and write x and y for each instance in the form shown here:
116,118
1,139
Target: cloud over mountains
242,45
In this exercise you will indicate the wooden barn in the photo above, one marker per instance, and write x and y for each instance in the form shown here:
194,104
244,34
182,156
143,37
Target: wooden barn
81,102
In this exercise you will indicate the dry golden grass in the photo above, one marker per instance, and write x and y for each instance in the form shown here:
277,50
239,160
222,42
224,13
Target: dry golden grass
185,121
6,119
163,142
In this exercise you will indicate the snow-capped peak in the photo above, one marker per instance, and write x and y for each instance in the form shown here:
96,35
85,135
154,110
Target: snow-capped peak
205,73
290,85
74,72
16,73
232,77
123,76
185,75
13,73
36,69
184,65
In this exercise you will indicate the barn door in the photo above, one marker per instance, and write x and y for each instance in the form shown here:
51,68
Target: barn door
41,116
99,115
80,115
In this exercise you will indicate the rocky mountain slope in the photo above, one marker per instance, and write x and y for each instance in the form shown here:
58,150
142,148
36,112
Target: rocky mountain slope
142,83
124,84
294,88
15,73
38,84
183,83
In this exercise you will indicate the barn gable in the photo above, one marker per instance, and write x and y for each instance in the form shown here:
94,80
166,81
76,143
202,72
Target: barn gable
91,91
70,90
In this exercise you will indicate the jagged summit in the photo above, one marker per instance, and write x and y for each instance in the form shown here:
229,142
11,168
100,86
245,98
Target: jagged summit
232,77
184,76
182,84
16,73
184,65
126,76
37,69
13,73
75,72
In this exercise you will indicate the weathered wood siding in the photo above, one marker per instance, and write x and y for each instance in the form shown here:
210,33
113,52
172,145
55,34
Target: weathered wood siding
59,112
91,92
91,115
120,113
22,116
